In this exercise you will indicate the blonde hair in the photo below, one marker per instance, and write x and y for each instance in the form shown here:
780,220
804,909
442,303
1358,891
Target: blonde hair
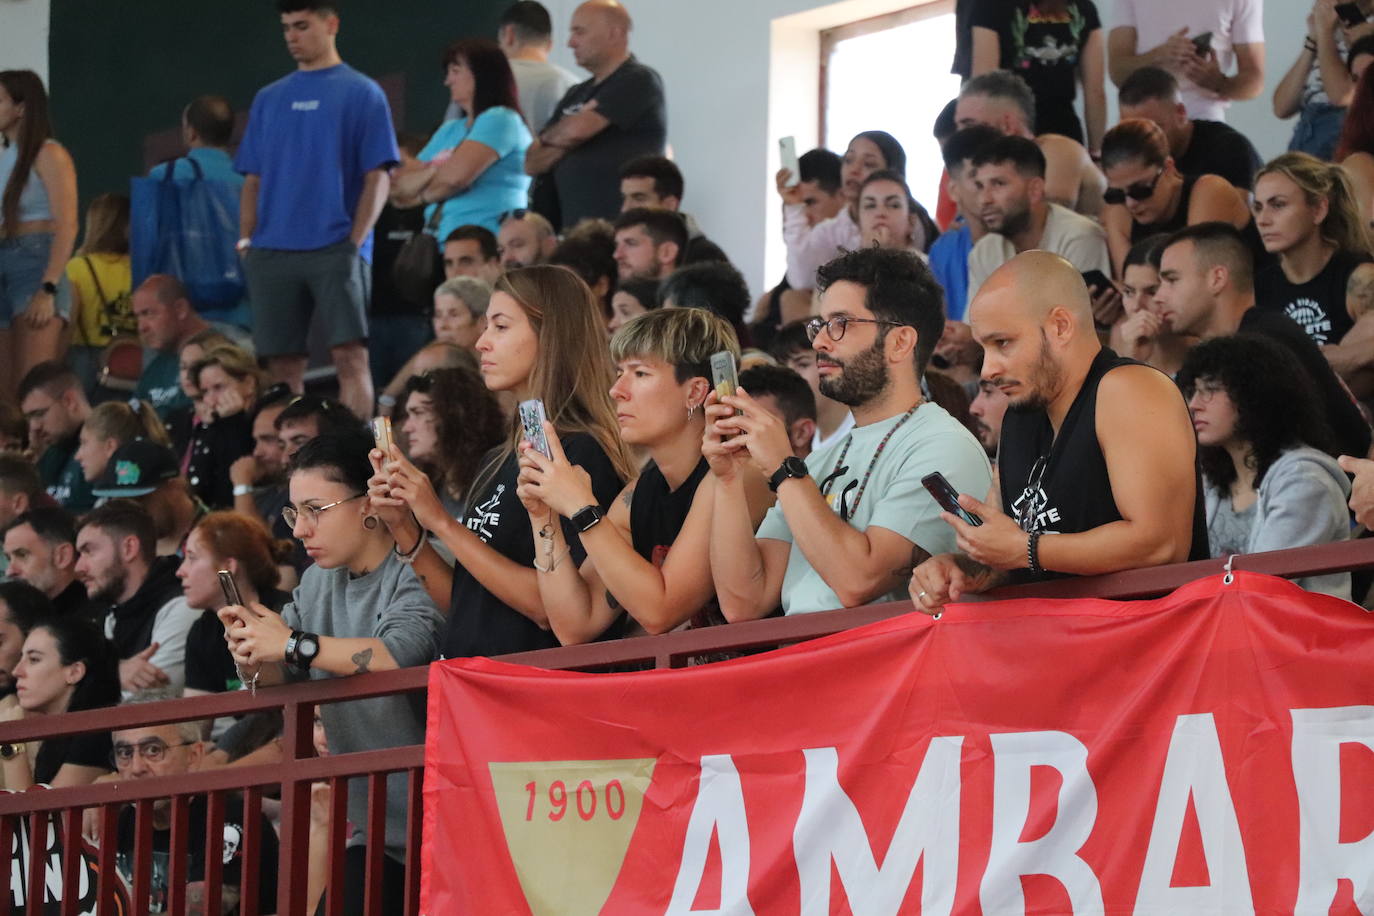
1320,180
126,421
107,226
681,338
235,362
572,372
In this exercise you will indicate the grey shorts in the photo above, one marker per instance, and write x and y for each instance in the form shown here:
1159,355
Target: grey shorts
287,287
23,259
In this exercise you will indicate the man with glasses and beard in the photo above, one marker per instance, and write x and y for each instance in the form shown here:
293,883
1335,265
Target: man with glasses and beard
853,518
1098,462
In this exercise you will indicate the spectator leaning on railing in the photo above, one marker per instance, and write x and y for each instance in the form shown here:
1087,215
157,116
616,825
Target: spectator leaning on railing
1097,465
360,608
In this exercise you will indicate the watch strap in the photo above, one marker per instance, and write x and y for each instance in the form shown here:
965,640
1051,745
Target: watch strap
586,518
791,467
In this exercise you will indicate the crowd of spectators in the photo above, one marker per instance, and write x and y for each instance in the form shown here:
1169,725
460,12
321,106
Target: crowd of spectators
1121,344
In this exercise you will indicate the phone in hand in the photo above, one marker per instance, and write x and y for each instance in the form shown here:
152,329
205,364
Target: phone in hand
1203,44
948,498
1350,14
532,419
725,374
381,434
787,149
1098,282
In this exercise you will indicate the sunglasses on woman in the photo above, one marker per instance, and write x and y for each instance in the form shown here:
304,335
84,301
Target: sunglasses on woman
1141,190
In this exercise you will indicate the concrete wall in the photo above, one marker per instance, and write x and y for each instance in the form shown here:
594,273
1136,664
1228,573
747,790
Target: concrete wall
740,75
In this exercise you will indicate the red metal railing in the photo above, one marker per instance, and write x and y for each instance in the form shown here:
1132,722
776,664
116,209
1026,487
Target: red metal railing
300,768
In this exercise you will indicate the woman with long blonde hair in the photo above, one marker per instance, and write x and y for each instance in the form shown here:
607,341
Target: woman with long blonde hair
545,339
1308,218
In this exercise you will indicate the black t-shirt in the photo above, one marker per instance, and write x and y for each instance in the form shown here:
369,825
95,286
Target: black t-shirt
588,177
89,750
1220,149
1060,484
479,623
209,665
1352,432
73,601
394,228
1043,49
1317,306
195,851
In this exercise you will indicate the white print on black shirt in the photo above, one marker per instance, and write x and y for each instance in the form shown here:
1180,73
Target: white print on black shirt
485,517
1311,317
1039,512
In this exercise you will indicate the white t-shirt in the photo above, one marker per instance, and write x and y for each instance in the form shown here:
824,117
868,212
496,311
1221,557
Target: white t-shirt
894,499
817,443
1231,22
1079,239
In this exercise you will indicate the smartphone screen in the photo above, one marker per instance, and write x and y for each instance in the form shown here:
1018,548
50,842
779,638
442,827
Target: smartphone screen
947,497
1097,281
532,418
787,148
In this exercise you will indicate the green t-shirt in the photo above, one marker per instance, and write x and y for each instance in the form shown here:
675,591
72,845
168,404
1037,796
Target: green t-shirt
63,478
894,499
160,383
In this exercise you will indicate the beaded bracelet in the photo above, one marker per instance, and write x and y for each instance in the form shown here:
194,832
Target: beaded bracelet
1033,552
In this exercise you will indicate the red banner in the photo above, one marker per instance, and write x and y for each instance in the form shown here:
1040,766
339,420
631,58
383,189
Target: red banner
1212,751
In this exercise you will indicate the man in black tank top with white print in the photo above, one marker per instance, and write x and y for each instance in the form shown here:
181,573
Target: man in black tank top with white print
1098,462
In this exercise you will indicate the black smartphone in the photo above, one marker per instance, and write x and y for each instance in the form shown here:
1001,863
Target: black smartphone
532,417
1350,14
948,497
1203,43
1097,281
231,591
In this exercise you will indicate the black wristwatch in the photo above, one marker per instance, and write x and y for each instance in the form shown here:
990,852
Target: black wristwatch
48,287
586,518
792,466
307,647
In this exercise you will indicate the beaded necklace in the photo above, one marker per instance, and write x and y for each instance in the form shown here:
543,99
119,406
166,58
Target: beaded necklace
841,468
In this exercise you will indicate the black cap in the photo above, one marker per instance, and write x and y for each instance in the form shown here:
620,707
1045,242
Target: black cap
136,468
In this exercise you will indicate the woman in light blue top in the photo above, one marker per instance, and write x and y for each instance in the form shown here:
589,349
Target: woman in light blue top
473,167
37,229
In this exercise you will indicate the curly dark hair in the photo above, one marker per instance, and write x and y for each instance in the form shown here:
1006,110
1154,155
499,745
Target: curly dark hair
1276,401
468,420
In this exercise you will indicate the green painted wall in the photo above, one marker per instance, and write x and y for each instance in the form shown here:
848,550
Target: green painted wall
122,72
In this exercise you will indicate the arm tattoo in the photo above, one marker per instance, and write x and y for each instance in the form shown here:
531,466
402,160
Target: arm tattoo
628,497
362,660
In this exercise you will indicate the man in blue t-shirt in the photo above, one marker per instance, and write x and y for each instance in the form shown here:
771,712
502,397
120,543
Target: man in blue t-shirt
317,156
949,254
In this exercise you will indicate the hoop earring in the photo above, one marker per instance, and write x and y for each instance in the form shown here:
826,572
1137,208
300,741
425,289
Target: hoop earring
691,409
370,522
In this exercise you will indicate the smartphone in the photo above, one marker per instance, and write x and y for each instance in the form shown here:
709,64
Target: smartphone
1203,43
532,419
947,497
231,591
1097,281
1350,14
787,148
724,374
381,434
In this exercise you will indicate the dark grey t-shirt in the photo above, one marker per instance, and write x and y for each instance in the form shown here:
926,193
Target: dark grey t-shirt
588,177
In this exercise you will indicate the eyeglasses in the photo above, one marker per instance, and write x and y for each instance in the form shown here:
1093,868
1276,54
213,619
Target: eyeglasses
1141,190
836,326
1204,391
1031,503
312,513
150,749
518,213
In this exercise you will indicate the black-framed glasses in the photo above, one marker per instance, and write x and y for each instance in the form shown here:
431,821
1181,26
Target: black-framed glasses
1141,190
150,749
1030,503
1204,391
836,326
312,513
517,213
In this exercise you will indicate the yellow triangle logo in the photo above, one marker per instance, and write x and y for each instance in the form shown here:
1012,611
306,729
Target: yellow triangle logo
568,826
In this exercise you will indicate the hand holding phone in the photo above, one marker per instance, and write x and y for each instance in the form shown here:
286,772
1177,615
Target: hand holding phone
725,375
381,434
532,419
948,498
1203,44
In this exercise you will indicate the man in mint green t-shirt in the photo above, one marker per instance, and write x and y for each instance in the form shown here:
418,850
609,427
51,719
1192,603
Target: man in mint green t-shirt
853,519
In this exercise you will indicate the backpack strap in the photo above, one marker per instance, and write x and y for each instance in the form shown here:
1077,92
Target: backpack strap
95,278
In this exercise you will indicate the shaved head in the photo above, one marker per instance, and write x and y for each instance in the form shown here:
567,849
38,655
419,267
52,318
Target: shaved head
1034,319
612,12
600,36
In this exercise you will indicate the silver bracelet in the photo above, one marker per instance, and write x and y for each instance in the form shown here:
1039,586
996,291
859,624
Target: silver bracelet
409,558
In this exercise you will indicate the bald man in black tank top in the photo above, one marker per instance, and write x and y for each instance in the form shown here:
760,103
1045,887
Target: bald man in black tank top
1097,463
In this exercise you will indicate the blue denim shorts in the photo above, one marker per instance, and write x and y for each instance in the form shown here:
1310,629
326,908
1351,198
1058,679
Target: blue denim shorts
22,262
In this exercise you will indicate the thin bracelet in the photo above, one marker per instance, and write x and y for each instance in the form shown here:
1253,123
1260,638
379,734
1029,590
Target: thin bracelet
1033,553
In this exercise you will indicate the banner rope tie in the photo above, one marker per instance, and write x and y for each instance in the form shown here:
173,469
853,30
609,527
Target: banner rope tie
1230,576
